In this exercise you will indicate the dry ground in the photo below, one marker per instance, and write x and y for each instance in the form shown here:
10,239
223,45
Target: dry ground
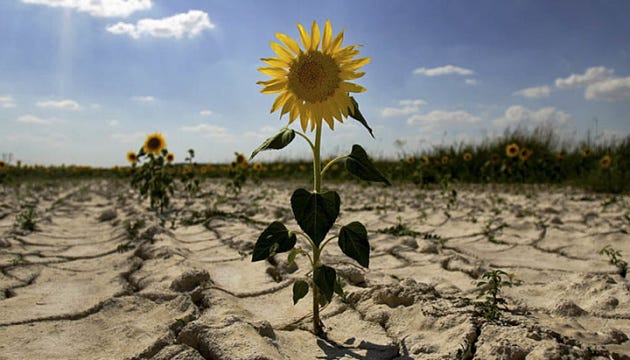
188,290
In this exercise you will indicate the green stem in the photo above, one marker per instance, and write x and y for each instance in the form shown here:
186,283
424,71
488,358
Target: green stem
317,187
331,163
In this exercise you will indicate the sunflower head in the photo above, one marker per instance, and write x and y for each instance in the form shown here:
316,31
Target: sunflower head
170,157
426,161
154,144
312,81
444,160
561,154
525,154
605,162
586,152
257,166
241,160
132,157
467,156
512,150
411,160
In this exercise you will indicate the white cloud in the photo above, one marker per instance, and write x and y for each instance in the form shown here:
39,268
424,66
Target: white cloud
443,70
611,90
190,24
407,107
145,99
534,92
217,133
66,104
519,115
591,76
205,113
441,117
471,81
7,101
99,8
32,119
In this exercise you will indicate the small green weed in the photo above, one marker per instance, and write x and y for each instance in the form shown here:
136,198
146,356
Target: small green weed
614,257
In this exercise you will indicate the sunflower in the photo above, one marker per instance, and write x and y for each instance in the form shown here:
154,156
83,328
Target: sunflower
241,160
426,161
525,154
586,152
512,150
467,156
257,166
132,157
495,158
154,144
604,163
170,157
561,154
444,160
313,82
411,160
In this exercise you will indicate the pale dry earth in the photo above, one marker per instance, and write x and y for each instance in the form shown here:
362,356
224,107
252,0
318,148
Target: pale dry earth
78,288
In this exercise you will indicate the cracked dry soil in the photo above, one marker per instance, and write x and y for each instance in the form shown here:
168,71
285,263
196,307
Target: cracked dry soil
79,288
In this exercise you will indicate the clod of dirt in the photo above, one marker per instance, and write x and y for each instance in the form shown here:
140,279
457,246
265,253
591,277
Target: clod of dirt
352,274
190,280
404,293
108,215
178,352
615,336
569,308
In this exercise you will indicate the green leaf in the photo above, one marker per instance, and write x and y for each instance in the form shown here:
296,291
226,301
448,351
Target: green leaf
274,239
315,213
294,252
325,277
353,241
356,114
300,289
276,142
359,165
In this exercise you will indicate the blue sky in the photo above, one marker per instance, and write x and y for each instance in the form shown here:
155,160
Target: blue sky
83,82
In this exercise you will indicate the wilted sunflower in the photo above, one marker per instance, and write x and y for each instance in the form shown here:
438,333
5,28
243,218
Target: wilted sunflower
525,154
170,157
313,81
512,150
586,152
605,162
444,160
154,144
467,156
132,157
426,161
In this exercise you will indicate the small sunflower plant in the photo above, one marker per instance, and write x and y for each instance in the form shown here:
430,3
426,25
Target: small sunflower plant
312,83
152,178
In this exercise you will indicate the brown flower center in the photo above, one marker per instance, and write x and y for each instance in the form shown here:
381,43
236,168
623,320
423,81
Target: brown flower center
313,76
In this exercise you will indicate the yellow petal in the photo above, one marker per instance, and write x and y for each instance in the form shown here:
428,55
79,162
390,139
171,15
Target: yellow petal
281,51
350,87
336,43
306,40
327,38
287,106
274,88
350,75
276,62
280,100
355,64
303,121
289,42
273,71
295,111
315,36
